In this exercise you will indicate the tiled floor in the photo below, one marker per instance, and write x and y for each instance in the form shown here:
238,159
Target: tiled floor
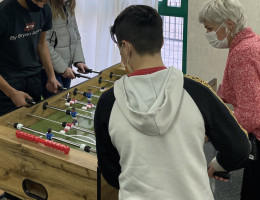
221,190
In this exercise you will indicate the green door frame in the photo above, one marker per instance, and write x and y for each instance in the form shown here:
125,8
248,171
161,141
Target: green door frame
182,11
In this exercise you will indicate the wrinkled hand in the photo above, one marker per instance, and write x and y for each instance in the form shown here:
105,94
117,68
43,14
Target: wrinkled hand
18,98
81,68
69,73
52,85
211,171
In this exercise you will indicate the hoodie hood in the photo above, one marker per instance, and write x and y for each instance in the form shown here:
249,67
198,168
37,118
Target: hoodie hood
150,102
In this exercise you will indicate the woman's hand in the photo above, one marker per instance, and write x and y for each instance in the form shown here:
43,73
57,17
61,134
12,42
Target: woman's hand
52,85
81,67
69,73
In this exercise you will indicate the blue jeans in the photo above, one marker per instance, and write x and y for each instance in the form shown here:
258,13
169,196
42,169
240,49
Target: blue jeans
65,82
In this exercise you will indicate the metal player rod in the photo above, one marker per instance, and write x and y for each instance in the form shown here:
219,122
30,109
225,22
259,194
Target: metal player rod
68,100
81,76
45,106
76,91
79,102
84,94
92,113
92,71
55,138
100,80
56,132
62,88
63,124
111,75
92,86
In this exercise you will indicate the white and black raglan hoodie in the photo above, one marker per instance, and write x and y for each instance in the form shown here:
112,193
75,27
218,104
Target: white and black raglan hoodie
150,133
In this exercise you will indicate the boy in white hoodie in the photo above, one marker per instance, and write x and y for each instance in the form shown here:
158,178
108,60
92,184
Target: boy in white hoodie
150,126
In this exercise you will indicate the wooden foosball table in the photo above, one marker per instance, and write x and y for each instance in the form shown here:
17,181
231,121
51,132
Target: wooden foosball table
38,170
30,170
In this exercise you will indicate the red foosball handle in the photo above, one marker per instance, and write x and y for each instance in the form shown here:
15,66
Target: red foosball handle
48,143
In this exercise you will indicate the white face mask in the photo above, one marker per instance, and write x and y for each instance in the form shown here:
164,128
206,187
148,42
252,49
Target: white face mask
215,42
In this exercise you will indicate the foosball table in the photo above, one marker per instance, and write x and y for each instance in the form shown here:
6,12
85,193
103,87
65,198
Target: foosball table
64,167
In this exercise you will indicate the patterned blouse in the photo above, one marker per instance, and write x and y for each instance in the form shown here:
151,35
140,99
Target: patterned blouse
241,81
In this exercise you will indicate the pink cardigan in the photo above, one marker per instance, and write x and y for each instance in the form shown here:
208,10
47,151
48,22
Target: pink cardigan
241,81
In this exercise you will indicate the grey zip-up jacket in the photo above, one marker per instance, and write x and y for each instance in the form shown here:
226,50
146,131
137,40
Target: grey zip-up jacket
64,42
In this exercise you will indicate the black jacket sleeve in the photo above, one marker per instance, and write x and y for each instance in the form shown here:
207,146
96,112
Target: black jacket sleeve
108,157
223,130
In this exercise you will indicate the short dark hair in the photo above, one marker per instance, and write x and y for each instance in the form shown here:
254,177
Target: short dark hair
140,25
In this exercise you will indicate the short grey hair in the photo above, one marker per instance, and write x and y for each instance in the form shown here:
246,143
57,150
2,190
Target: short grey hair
218,11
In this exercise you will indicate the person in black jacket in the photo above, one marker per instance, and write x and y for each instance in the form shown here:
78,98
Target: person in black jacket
150,126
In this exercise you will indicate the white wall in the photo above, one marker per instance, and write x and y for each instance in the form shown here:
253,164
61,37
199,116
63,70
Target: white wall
203,60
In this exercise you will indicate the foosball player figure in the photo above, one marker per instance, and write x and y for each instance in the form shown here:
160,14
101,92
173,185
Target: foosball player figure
89,96
74,113
49,134
75,121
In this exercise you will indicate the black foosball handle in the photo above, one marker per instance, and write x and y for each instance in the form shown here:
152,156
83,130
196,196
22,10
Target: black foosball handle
92,71
30,101
44,106
111,75
100,80
62,88
225,175
75,91
81,76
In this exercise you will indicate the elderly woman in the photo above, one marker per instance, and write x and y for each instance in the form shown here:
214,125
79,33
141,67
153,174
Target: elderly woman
225,24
